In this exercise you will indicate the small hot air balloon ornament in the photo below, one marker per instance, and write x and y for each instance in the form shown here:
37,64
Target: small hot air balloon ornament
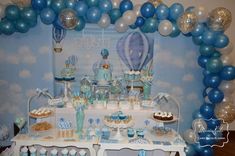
58,35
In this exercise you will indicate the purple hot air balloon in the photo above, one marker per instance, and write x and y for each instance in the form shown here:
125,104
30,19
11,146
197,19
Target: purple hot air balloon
135,50
58,34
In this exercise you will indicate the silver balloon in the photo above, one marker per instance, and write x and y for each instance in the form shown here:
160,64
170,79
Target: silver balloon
116,3
227,60
165,28
137,10
21,3
68,18
199,125
121,26
187,22
219,19
129,17
2,11
226,50
201,13
228,87
190,136
104,21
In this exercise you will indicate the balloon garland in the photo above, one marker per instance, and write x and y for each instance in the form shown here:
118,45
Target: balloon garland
206,30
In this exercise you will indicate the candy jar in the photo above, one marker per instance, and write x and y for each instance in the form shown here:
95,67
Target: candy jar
24,151
43,152
82,152
32,151
65,152
72,152
54,152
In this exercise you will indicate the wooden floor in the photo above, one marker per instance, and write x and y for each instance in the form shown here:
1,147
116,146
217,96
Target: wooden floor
227,150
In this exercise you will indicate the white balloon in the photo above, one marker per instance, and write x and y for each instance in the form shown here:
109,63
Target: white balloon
199,125
201,13
137,9
2,11
227,60
129,17
228,87
116,3
226,50
104,21
121,26
165,28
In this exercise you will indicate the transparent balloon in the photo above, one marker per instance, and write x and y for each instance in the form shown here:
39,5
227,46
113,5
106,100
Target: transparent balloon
187,22
201,13
219,19
199,125
225,111
190,136
68,18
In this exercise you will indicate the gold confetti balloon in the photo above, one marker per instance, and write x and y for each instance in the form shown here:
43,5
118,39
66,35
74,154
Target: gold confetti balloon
68,18
219,19
225,111
21,3
155,2
187,22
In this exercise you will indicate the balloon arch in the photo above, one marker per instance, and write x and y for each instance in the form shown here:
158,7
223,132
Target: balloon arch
206,30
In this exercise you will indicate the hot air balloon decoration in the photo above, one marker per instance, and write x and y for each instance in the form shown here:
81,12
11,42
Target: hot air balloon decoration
135,50
58,35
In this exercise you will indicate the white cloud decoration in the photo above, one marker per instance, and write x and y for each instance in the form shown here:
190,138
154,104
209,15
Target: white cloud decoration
188,78
24,74
48,76
44,50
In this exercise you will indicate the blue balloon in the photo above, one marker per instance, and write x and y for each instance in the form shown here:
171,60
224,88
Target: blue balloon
133,26
213,123
93,15
206,151
197,40
206,72
197,114
175,30
190,151
105,6
58,5
198,30
207,110
80,24
21,26
162,12
206,50
190,9
12,12
216,54
150,25
7,27
202,61
125,5
47,16
92,3
81,8
49,3
139,21
38,5
221,41
228,73
57,24
147,10
209,37
29,16
212,81
114,14
215,96
176,10
214,65
70,4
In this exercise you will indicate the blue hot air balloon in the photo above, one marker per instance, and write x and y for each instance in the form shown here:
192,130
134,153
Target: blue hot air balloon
73,60
58,34
135,50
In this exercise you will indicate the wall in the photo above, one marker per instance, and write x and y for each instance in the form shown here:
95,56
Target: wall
26,63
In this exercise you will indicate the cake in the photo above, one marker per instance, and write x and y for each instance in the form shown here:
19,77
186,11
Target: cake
41,126
64,128
68,73
118,118
164,116
41,112
103,69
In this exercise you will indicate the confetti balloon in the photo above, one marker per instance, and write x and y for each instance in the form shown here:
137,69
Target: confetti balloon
219,19
68,18
225,111
21,3
187,22
155,2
